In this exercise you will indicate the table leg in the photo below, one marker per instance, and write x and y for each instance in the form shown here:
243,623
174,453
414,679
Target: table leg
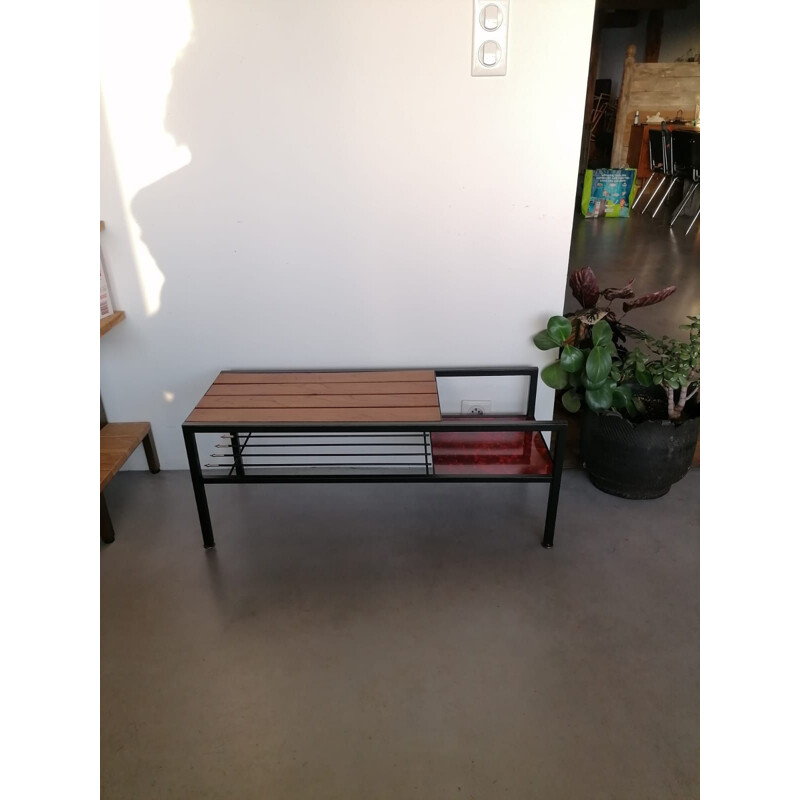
237,454
150,453
199,487
106,526
557,449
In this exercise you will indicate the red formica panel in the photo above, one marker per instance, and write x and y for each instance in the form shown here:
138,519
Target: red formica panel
494,453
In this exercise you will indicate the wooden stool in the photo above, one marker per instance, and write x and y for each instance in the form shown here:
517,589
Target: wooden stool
117,441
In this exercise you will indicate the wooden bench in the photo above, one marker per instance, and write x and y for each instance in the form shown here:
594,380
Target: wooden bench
364,427
117,441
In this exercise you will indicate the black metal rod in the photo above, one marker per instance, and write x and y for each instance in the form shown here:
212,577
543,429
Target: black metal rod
237,454
369,477
327,444
331,464
106,526
283,435
555,488
199,487
312,455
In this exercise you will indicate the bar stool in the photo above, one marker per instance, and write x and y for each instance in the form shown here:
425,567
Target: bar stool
687,157
659,150
669,165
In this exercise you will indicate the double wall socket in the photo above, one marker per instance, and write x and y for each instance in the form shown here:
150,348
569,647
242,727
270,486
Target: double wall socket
478,407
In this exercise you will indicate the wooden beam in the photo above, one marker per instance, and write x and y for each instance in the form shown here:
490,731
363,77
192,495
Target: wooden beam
639,5
594,58
617,154
655,24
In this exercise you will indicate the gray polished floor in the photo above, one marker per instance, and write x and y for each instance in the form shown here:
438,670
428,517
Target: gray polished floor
403,641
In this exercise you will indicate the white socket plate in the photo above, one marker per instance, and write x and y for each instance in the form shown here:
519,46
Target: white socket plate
480,36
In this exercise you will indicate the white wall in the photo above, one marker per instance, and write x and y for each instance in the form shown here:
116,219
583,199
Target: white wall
339,191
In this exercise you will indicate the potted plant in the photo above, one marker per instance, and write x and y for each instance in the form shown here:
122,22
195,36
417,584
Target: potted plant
641,416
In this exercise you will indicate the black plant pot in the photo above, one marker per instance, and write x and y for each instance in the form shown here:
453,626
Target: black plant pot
637,460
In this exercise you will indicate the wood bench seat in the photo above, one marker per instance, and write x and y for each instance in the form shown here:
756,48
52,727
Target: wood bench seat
364,426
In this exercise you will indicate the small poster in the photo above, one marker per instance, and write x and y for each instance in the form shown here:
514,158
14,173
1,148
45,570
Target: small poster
106,309
608,192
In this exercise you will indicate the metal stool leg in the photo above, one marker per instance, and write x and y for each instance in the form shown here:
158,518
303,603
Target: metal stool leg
666,195
684,203
694,219
643,190
106,526
653,197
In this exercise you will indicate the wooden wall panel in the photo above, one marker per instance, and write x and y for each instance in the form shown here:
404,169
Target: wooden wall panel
665,88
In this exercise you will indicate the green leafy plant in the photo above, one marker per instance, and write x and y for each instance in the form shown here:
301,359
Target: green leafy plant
670,364
591,373
594,366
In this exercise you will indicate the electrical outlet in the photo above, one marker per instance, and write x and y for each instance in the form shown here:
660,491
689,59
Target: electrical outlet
477,407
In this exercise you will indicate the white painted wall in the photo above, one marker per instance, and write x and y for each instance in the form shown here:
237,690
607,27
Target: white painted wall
330,188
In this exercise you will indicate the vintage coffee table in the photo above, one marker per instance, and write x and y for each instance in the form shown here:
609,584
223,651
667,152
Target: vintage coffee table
364,426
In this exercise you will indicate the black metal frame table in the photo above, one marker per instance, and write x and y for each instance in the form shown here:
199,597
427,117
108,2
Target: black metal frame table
257,413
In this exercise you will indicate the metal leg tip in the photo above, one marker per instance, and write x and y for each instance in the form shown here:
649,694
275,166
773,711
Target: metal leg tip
547,545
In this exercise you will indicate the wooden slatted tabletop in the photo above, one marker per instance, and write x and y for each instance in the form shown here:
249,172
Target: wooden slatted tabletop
397,396
117,441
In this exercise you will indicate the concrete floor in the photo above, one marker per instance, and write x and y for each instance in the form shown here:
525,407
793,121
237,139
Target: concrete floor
403,641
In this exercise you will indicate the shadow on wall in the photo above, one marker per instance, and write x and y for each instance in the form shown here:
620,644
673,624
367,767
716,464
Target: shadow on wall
253,239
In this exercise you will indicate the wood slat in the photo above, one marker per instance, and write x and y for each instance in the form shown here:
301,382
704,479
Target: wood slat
410,387
319,401
247,415
659,100
113,429
326,377
666,69
678,85
117,441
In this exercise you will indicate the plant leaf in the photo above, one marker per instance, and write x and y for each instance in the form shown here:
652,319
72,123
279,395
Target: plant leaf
555,377
601,333
598,365
544,341
621,396
644,378
571,401
649,299
599,399
571,358
624,292
559,329
584,287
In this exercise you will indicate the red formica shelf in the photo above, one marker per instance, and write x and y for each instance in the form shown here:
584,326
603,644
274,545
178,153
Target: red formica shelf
494,453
